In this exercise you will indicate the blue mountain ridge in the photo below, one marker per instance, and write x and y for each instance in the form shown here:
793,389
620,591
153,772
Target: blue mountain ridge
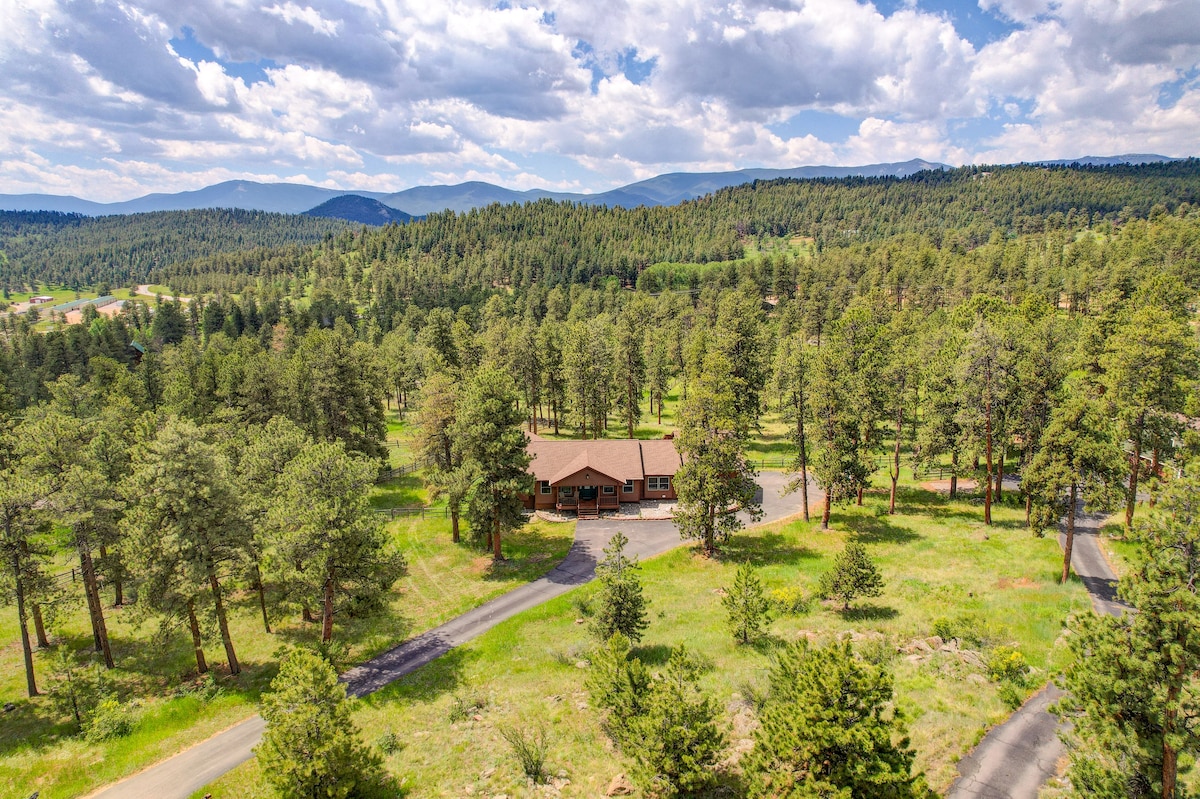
667,189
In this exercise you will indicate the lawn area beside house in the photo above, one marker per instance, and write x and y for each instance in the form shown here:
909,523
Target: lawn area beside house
944,570
174,709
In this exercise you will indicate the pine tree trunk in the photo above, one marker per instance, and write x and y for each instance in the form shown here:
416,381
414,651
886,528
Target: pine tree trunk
825,513
859,498
803,460
1153,475
26,647
118,589
327,612
197,647
39,626
454,534
987,494
894,471
496,553
1135,468
1000,473
95,606
306,614
222,622
262,597
1170,757
1070,543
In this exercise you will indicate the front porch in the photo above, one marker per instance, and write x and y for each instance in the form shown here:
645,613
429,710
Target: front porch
585,503
645,510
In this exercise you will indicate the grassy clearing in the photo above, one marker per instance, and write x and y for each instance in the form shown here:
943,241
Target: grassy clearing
37,751
939,562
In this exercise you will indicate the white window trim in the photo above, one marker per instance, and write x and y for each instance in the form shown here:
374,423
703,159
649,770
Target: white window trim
544,487
608,491
566,491
627,488
658,483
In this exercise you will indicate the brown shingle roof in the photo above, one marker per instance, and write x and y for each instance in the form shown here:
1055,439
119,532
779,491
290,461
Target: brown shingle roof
660,457
620,459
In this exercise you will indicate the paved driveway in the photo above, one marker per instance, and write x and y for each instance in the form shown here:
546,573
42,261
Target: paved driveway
1015,759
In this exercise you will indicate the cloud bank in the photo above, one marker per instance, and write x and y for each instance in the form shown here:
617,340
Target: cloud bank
109,99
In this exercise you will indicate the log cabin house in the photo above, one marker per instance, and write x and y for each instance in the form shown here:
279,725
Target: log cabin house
594,475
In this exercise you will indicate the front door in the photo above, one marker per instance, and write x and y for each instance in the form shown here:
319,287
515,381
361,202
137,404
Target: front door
587,493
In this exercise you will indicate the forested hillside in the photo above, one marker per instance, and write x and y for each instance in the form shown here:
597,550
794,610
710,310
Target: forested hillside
974,323
76,251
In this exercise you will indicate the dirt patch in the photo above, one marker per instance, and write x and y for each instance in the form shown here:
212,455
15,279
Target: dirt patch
943,486
1018,582
111,309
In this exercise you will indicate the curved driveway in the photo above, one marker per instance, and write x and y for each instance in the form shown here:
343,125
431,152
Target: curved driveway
1015,759
180,776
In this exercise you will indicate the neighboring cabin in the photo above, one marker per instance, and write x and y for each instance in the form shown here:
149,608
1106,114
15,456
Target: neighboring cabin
593,475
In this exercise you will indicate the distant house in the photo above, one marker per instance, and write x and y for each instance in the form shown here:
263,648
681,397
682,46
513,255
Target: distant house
40,299
590,476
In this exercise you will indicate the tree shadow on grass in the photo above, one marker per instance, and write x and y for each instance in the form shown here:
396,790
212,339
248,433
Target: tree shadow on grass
528,555
869,613
440,676
768,643
652,654
879,530
767,549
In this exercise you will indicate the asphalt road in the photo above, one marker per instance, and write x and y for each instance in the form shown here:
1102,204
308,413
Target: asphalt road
181,775
1015,759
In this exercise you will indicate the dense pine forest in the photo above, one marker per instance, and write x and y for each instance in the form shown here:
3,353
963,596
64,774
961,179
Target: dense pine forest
979,322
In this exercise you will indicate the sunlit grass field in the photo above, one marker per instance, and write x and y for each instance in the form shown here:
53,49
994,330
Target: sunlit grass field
37,751
939,561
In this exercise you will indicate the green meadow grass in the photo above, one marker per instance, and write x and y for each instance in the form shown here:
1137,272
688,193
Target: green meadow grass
939,562
39,752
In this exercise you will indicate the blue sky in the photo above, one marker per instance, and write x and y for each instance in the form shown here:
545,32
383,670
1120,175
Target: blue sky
109,100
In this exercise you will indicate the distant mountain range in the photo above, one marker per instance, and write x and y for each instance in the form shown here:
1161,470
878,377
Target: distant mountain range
380,208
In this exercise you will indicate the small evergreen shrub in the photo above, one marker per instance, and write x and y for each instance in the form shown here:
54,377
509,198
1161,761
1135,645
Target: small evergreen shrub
747,607
389,742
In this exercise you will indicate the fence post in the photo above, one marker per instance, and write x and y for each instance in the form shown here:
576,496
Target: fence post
72,574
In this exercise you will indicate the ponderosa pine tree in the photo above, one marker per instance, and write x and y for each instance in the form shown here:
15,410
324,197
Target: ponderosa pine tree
311,746
746,607
185,524
487,433
436,412
901,378
1132,701
1079,457
620,605
716,479
330,544
1147,364
677,740
852,575
793,368
987,379
830,728
844,391
261,457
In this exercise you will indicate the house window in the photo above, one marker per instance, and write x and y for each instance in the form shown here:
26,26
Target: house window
566,491
610,489
543,487
627,488
658,483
